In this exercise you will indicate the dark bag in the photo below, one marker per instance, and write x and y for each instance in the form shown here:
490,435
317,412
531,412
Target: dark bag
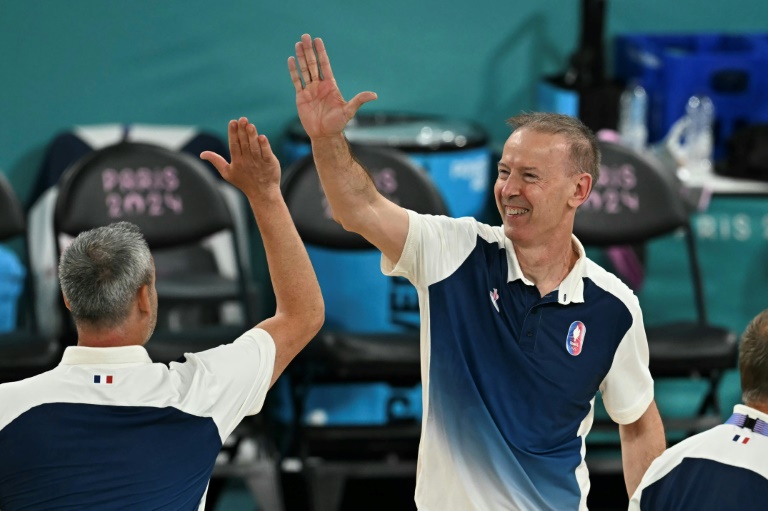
747,155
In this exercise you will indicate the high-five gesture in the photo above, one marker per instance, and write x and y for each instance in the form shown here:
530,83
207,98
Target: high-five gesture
322,109
255,170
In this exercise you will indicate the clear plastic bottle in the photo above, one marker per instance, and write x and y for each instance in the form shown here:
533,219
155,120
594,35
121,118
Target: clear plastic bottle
700,113
632,117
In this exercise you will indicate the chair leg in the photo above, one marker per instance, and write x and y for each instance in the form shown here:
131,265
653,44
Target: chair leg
326,486
710,400
263,481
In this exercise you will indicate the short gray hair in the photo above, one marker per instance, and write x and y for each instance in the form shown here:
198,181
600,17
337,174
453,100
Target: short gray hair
101,271
584,151
753,360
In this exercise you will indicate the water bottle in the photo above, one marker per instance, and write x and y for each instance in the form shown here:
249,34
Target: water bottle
700,113
632,115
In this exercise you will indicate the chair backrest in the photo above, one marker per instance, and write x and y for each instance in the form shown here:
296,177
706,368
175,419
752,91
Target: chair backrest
12,222
371,328
23,352
169,195
635,199
178,205
394,175
12,270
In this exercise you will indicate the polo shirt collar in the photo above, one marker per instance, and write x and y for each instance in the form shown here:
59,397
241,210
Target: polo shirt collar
751,412
83,355
570,290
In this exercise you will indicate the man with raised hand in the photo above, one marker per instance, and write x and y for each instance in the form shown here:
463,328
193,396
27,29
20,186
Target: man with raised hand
519,328
107,428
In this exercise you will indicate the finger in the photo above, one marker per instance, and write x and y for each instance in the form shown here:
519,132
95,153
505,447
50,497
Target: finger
242,135
322,58
309,54
295,78
234,142
266,149
355,103
216,160
253,141
302,62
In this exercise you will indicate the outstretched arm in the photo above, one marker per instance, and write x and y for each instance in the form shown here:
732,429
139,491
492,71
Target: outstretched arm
641,442
354,200
256,172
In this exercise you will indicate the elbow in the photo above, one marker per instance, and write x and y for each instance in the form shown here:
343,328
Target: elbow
346,223
349,221
316,319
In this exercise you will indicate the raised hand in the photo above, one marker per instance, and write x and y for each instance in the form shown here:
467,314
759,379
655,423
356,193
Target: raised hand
254,170
322,109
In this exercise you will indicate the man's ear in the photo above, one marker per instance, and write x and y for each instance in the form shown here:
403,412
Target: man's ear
581,190
142,296
66,302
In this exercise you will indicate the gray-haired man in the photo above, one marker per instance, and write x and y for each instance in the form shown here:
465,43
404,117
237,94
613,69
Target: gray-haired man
109,429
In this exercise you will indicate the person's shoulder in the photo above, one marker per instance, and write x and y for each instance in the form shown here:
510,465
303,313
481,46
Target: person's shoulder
467,224
19,396
257,335
255,342
704,445
610,283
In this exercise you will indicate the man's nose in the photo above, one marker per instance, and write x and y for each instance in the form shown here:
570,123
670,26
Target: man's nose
511,186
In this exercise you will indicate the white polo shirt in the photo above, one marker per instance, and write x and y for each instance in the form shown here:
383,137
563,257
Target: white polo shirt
510,376
723,468
109,429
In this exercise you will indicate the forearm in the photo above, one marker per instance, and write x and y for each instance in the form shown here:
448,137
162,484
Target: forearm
641,443
297,292
347,185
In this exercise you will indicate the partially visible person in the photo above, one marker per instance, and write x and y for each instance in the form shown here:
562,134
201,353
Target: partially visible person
519,328
109,429
725,467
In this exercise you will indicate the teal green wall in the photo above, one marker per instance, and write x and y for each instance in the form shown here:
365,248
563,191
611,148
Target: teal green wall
196,62
68,62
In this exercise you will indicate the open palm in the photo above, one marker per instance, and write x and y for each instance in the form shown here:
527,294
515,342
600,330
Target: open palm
321,107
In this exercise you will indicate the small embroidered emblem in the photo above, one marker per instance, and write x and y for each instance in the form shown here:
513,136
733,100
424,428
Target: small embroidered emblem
574,343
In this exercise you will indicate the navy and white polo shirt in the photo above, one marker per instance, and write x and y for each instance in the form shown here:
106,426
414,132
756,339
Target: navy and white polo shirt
109,429
510,377
725,467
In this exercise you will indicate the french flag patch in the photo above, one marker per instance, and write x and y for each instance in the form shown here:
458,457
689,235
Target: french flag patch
743,440
102,378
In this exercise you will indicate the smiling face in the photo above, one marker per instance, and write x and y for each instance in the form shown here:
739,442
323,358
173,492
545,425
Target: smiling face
537,189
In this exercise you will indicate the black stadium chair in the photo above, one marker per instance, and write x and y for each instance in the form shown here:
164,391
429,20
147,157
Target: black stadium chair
23,351
333,454
637,201
177,205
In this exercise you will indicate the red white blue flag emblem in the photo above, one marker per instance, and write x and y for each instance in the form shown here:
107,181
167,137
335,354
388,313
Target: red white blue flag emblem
574,343
102,378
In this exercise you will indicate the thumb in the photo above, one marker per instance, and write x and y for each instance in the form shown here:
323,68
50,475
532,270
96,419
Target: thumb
216,160
355,103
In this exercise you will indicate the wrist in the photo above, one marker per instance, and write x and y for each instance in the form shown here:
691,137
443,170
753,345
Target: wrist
265,196
329,140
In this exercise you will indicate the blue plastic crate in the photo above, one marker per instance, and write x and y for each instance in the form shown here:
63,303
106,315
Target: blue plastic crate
12,274
731,69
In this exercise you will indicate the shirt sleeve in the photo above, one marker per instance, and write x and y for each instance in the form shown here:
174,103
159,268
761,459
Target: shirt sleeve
228,382
627,389
435,247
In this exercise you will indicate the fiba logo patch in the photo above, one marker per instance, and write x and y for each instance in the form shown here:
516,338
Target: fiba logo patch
574,343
